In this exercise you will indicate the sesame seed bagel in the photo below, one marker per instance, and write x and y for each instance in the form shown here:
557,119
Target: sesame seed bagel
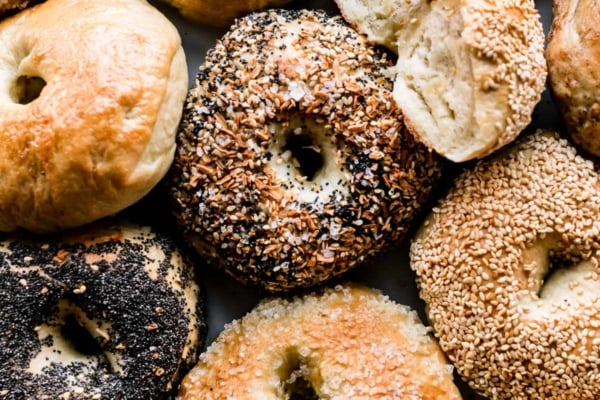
508,265
469,72
111,311
348,342
292,165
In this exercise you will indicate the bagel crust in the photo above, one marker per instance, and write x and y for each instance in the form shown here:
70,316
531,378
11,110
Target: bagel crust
278,77
220,13
573,65
348,342
508,265
88,110
112,311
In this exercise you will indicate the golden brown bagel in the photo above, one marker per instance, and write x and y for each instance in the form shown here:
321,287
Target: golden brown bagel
220,13
88,109
573,55
349,342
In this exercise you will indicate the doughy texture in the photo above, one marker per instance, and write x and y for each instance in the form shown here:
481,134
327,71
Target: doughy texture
469,72
281,84
110,312
349,342
508,265
573,65
88,110
220,13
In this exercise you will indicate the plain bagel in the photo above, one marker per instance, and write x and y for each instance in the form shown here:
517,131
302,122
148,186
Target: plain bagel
347,342
509,267
469,72
573,65
293,165
89,107
112,311
220,13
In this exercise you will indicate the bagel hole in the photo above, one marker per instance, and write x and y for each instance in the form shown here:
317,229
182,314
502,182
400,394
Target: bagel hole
297,386
562,271
306,154
27,88
79,338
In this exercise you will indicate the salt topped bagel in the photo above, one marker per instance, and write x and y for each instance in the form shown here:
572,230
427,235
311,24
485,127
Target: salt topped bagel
293,165
509,266
469,72
90,98
348,342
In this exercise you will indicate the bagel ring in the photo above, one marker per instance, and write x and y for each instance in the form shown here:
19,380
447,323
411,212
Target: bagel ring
292,163
348,342
87,125
508,265
111,311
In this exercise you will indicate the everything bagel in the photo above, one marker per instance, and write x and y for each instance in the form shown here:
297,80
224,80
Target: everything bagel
293,165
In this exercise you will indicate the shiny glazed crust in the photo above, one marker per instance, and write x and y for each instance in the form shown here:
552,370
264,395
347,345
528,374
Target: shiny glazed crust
349,342
112,311
101,133
239,196
573,55
220,13
509,267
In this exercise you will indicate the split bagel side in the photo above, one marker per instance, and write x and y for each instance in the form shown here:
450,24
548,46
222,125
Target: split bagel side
469,72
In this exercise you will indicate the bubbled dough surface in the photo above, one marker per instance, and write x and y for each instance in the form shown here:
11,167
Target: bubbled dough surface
354,342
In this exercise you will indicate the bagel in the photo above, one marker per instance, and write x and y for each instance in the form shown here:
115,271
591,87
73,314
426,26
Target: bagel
87,126
292,164
573,63
469,72
218,13
109,312
348,342
508,265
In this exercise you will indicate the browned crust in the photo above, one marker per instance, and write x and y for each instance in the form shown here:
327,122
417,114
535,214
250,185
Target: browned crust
97,138
220,13
573,55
